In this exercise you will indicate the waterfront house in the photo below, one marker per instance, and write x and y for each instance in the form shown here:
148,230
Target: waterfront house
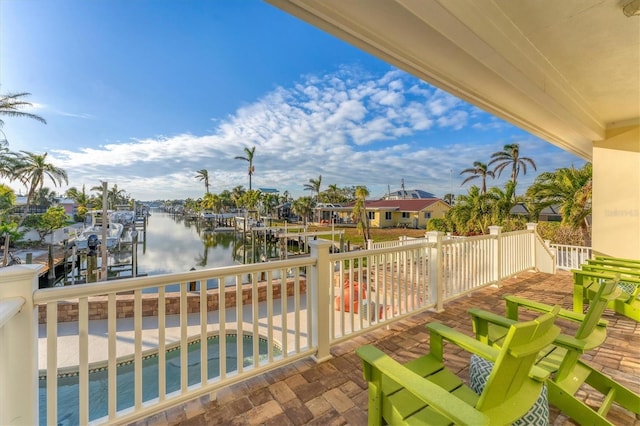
398,213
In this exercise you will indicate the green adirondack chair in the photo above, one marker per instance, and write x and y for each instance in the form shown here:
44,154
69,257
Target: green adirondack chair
587,279
424,391
616,259
562,359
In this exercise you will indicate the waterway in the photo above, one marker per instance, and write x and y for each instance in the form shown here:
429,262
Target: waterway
174,245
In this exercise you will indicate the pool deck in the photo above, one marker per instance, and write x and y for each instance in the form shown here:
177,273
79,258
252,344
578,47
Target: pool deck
335,393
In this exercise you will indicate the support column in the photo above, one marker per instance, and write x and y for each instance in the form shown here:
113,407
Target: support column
616,198
321,304
532,242
495,231
19,346
435,273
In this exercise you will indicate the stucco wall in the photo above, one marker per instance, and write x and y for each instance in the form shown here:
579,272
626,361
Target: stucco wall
616,193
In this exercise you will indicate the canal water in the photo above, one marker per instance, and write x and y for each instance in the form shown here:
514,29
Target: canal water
174,245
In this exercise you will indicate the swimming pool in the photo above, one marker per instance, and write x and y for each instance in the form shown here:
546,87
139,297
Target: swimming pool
68,398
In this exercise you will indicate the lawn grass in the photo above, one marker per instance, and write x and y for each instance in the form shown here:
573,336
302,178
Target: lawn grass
354,237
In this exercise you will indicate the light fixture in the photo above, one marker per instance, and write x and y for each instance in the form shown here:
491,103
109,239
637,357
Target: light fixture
632,8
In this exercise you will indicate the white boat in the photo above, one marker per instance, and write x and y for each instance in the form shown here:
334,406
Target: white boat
114,232
125,217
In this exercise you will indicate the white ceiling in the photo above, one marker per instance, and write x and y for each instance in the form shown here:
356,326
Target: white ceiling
564,70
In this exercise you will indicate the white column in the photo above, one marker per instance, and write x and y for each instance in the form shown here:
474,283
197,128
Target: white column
321,304
532,241
19,348
497,249
436,282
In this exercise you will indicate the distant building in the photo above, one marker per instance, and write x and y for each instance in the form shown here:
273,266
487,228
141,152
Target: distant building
414,213
548,214
268,190
411,194
70,206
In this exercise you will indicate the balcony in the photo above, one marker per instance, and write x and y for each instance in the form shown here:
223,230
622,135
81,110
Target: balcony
336,393
312,313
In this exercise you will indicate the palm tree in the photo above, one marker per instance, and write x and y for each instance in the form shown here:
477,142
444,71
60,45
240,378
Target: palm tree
314,186
117,196
8,161
470,215
303,207
479,170
236,195
226,200
45,197
360,211
570,188
510,156
32,169
332,194
249,158
82,200
11,103
211,202
501,203
203,175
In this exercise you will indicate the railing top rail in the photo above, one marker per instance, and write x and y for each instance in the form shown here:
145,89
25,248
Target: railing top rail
384,250
570,246
101,288
519,232
8,308
466,239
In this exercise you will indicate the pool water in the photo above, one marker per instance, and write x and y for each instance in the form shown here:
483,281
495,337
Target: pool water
68,398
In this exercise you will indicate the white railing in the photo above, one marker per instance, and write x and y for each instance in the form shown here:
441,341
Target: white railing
152,325
401,241
372,287
571,257
468,264
181,318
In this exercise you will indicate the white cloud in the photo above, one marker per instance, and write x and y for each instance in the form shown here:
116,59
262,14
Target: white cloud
351,128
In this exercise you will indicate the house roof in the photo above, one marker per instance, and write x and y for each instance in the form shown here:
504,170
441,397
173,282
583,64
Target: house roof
521,209
400,205
410,194
268,190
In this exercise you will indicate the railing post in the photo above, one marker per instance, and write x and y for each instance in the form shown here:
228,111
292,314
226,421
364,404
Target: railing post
497,249
320,299
19,348
436,282
369,244
532,238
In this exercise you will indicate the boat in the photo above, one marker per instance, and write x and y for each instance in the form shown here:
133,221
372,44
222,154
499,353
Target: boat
114,232
122,215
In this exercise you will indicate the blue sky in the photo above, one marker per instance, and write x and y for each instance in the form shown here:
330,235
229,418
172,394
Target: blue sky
144,93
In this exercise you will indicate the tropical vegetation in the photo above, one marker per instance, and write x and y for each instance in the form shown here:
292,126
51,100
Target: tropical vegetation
248,157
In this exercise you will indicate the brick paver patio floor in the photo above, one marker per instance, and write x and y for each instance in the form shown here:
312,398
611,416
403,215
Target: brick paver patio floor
335,393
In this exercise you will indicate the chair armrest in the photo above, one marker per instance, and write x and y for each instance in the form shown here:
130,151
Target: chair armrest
513,302
436,397
479,316
440,332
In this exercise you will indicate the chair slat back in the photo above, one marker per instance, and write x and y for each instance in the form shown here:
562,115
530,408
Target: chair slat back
607,291
517,355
